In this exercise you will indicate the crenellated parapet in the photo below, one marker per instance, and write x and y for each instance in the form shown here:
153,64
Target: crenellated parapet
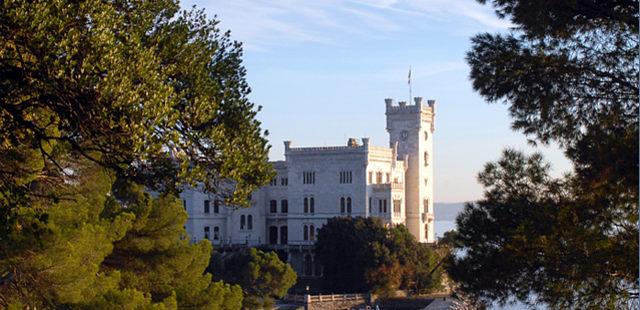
426,111
403,107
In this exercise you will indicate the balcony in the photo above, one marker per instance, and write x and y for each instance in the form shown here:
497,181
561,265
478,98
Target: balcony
426,216
384,187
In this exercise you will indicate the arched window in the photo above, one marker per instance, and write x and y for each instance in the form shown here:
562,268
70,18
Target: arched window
305,233
284,206
250,222
349,205
311,205
242,221
207,204
312,233
284,235
206,232
273,235
306,205
216,233
273,206
342,208
308,265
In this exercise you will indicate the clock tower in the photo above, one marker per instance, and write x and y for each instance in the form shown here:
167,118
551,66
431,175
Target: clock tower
411,127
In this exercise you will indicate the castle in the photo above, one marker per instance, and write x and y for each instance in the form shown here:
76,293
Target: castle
314,184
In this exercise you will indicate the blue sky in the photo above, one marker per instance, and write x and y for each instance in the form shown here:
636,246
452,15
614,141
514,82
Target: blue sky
321,71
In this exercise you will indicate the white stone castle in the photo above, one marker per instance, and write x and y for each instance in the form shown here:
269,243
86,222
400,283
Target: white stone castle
314,184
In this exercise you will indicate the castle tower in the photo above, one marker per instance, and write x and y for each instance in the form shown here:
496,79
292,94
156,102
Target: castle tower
412,127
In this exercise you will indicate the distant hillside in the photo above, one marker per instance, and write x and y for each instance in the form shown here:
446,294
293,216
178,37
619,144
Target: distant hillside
447,211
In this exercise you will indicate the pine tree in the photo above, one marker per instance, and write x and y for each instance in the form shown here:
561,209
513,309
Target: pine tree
97,101
569,73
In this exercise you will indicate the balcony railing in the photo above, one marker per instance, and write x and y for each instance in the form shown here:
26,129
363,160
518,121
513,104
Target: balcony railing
309,299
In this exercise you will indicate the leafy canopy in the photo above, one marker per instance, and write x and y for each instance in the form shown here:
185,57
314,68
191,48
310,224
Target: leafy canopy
262,275
362,255
98,100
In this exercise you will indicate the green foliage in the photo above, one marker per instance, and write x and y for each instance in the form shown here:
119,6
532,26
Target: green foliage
569,75
122,82
155,255
66,267
362,255
98,100
262,275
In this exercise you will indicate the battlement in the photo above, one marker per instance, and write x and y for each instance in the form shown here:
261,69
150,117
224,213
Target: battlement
352,146
402,107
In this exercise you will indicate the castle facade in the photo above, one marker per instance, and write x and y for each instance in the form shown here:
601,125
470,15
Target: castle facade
314,184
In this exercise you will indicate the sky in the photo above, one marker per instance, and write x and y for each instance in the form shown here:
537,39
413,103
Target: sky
321,69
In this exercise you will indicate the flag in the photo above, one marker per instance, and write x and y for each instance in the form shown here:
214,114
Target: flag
409,77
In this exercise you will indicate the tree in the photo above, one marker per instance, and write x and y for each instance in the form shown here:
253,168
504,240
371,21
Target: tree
155,256
347,248
121,84
362,255
98,99
569,73
262,275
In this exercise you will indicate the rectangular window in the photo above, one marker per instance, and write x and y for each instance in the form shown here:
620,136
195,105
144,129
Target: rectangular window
396,207
370,201
216,206
284,181
284,206
273,206
309,177
379,205
184,204
346,177
370,177
384,206
206,206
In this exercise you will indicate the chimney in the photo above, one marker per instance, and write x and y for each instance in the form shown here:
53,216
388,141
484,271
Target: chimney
352,142
365,142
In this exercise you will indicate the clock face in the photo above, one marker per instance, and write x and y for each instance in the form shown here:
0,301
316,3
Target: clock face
404,135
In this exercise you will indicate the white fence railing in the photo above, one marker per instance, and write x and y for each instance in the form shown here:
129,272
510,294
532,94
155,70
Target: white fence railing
308,299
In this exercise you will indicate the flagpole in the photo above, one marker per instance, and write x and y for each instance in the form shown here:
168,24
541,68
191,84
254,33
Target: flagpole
409,81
